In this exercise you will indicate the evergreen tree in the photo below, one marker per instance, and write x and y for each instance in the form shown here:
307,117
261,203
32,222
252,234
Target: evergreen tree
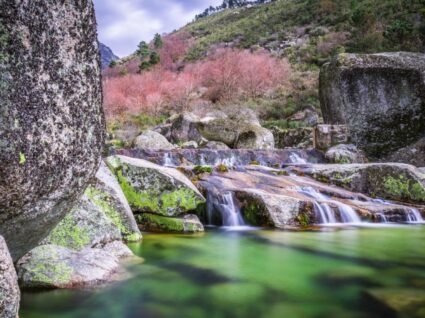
157,41
142,50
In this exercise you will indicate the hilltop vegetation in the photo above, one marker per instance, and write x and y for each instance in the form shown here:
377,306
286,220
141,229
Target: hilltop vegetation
303,35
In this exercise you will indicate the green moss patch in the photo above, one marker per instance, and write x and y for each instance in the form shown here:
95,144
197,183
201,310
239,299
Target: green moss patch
402,188
103,201
158,223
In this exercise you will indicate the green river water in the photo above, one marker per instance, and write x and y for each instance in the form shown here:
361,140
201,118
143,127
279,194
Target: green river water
256,273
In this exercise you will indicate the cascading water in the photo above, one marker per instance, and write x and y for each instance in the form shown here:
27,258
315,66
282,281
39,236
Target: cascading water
413,216
225,204
295,158
326,213
168,160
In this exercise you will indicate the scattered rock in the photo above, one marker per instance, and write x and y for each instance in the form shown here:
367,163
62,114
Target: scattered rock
327,136
9,290
255,137
126,134
184,128
308,117
190,145
293,138
108,196
243,115
378,96
51,121
155,189
51,266
345,154
156,223
221,130
217,145
153,141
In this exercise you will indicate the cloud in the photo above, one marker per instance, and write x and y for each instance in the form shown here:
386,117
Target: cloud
123,24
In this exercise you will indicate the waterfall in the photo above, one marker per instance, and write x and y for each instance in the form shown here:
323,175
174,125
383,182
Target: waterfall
168,160
324,211
413,216
295,158
382,217
226,205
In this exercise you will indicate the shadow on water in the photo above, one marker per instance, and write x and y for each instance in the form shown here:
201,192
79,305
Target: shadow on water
251,274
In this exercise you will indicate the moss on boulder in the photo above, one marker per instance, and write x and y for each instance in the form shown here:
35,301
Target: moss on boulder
156,223
151,188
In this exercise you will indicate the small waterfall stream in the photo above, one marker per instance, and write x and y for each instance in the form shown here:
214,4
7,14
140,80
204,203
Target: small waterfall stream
225,203
324,211
413,216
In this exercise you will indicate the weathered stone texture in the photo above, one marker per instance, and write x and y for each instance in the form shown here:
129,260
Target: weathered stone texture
9,290
380,97
51,122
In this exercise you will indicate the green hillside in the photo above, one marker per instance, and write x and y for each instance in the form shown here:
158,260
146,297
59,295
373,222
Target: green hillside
309,31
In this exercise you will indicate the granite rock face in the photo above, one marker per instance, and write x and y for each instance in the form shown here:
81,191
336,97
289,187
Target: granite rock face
51,120
9,290
380,97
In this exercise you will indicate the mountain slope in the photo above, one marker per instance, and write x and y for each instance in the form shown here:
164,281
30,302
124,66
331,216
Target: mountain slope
309,31
106,55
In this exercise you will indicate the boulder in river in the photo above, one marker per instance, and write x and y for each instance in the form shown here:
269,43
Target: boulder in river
378,96
154,189
107,195
9,289
188,223
52,266
84,248
152,140
51,119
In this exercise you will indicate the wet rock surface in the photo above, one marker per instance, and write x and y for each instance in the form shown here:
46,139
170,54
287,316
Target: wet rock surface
378,96
51,121
228,157
9,290
278,198
392,181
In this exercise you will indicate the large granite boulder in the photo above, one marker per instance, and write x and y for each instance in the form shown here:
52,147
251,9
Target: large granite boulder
152,140
380,97
51,122
9,290
107,195
150,188
84,248
184,127
255,137
52,266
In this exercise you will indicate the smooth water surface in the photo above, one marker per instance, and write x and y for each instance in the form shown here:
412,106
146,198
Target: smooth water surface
253,274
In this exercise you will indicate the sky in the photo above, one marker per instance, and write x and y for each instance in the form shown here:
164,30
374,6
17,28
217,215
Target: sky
123,24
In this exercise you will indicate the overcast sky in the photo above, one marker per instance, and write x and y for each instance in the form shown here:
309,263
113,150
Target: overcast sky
124,23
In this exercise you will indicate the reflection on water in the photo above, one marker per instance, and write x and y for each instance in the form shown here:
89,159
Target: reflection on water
255,274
